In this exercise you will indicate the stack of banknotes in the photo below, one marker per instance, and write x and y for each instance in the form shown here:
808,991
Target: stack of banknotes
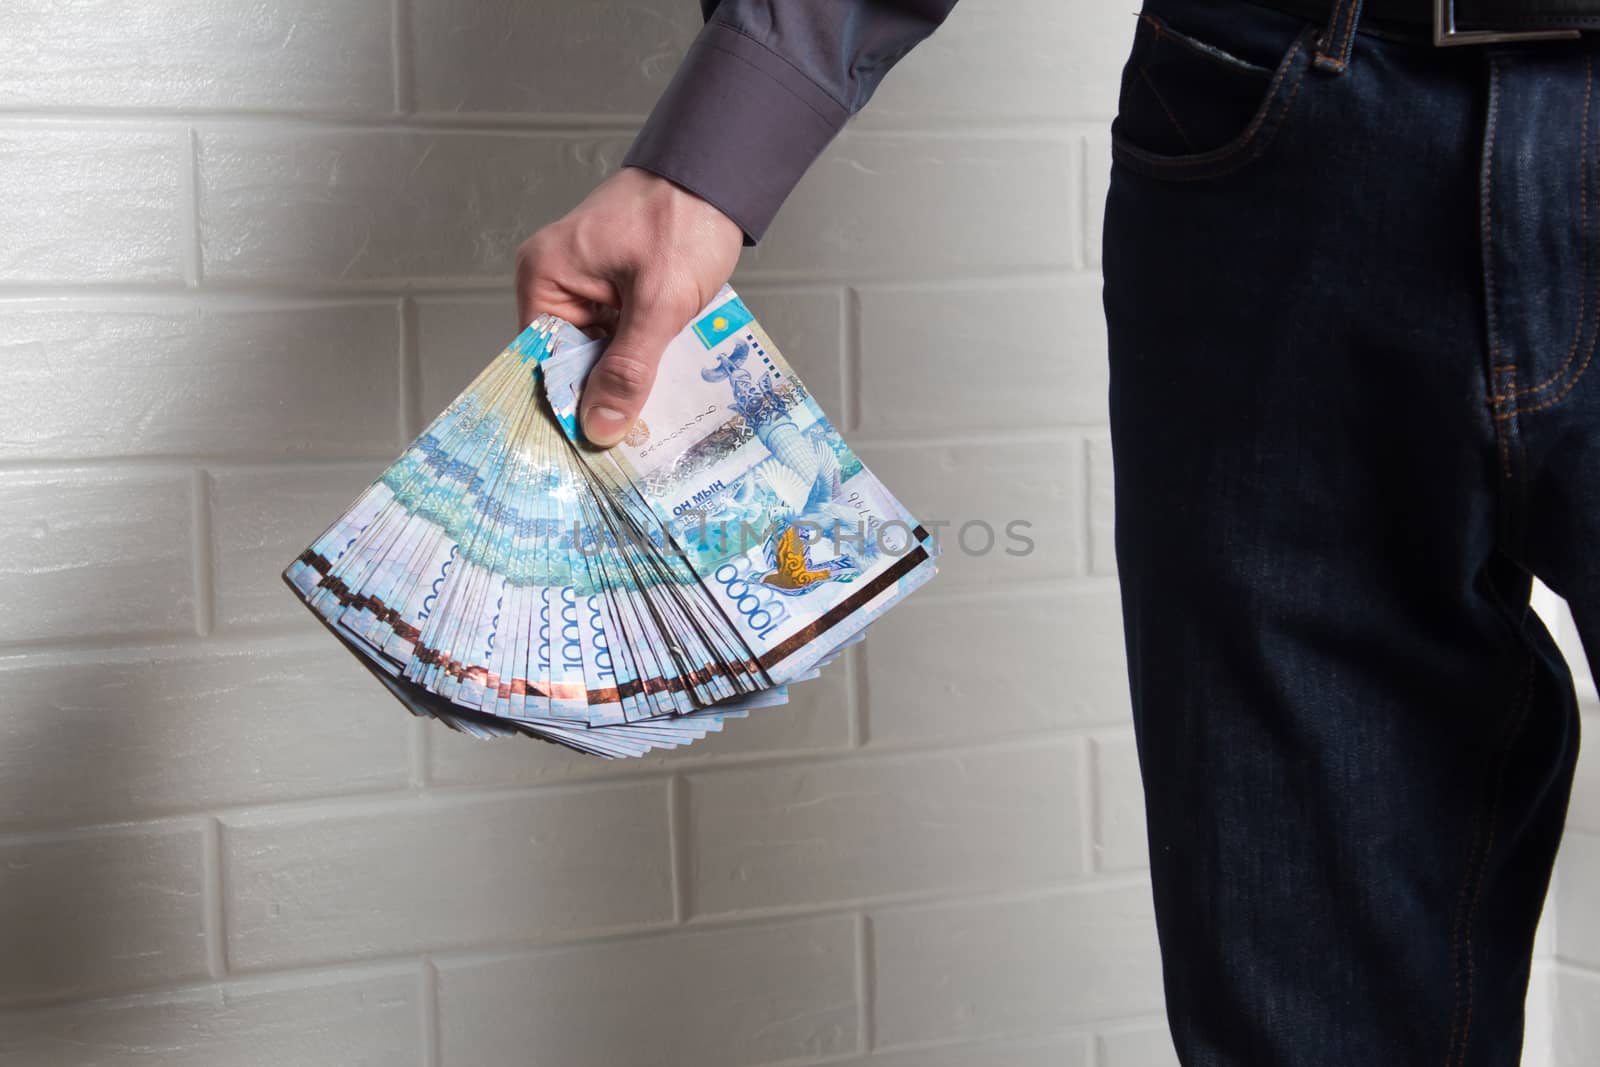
506,577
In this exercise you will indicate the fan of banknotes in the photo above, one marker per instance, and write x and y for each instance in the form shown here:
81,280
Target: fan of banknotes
506,577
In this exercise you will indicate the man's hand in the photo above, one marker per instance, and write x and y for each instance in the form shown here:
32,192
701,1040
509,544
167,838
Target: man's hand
637,258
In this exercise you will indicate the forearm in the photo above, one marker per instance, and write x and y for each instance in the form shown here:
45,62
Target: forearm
763,90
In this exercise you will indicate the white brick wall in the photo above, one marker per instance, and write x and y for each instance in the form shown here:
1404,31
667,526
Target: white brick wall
1567,953
244,263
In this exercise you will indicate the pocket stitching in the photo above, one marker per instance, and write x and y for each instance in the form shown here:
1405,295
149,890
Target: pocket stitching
1217,56
1242,149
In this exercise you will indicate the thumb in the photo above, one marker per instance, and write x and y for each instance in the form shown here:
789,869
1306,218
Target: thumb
620,382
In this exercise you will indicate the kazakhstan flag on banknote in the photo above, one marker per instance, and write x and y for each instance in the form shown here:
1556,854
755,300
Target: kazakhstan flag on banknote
506,578
722,322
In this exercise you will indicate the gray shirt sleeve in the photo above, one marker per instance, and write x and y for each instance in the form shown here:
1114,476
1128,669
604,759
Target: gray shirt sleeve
765,87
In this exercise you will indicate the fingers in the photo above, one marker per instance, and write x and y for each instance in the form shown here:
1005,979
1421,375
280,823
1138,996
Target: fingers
549,281
621,380
638,243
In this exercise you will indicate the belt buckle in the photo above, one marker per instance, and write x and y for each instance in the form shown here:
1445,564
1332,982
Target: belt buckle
1445,32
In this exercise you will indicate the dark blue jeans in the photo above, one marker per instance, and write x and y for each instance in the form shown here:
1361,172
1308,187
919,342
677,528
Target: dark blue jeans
1354,408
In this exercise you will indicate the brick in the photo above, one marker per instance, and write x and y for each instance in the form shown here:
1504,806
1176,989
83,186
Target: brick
1147,1047
1120,843
456,338
90,553
1577,883
1102,507
261,518
902,206
1544,935
816,719
1556,614
1582,672
86,912
152,731
508,56
157,377
1539,1015
871,826
712,998
1097,184
979,668
1028,354
1014,509
380,879
1010,61
1583,813
974,969
124,190
312,207
1577,1018
300,54
1061,1051
334,1020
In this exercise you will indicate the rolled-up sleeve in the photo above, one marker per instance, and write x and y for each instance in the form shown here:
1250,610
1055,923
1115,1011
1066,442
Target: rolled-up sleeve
765,87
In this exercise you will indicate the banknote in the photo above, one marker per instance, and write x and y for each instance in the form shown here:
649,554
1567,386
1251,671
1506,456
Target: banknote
798,541
506,578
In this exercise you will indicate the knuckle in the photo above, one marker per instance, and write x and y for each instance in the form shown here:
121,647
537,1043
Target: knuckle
666,293
622,374
541,245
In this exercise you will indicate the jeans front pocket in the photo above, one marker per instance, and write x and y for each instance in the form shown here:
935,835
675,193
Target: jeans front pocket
1193,107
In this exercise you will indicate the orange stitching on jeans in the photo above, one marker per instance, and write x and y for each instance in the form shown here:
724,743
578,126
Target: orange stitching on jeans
1349,27
1486,214
1511,730
1576,377
1578,374
1347,12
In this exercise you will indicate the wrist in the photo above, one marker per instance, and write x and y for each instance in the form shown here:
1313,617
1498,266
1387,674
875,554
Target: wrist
687,201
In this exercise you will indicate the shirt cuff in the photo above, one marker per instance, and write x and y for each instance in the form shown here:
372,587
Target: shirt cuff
737,126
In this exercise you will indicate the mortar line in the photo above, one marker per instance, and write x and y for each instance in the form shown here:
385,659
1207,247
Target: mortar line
404,77
850,357
678,842
866,982
987,129
418,749
189,209
1091,806
432,1044
1084,258
176,464
855,663
1091,1054
1086,548
211,872
410,372
202,552
275,290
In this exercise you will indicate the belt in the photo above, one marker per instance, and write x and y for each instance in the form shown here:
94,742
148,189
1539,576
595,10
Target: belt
1466,22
